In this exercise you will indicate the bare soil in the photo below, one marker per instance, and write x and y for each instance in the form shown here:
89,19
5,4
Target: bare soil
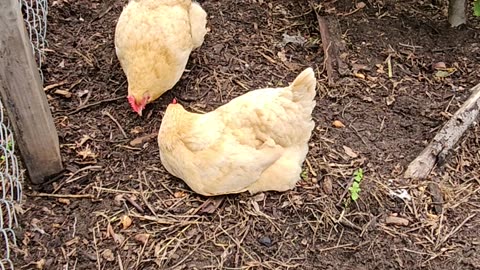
110,181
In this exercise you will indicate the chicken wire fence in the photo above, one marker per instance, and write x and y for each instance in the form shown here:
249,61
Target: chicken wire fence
35,17
11,189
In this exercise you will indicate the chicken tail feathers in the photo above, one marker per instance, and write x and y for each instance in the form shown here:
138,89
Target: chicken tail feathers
303,87
198,23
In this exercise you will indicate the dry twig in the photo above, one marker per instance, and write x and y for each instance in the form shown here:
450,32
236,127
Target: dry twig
72,196
116,122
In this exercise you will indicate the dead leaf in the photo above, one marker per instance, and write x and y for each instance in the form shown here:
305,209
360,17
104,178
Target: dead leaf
118,238
179,194
87,153
110,232
34,222
399,221
64,93
359,75
107,254
55,85
126,221
361,5
357,67
350,152
82,93
210,205
437,197
368,99
380,68
444,73
327,185
64,201
256,206
439,65
390,99
72,242
338,124
297,199
143,139
259,197
83,140
142,237
118,200
282,56
40,264
136,130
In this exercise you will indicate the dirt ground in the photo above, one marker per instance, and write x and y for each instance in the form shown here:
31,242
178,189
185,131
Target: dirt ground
388,121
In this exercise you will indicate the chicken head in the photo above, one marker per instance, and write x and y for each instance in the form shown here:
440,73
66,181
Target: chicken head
138,106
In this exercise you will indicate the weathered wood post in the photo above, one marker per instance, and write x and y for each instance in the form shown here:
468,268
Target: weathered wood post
457,12
22,94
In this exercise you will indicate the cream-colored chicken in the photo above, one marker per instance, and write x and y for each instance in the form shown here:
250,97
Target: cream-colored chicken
256,142
153,41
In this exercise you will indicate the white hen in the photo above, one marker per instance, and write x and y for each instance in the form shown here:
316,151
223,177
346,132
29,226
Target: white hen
256,142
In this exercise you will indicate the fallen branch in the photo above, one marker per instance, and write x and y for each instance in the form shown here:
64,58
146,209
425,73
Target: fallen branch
94,104
446,138
72,196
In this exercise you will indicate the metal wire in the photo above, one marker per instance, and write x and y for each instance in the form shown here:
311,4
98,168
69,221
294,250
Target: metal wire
10,190
35,15
11,179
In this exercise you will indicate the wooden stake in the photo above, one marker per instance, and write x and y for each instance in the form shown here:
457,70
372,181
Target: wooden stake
24,99
327,49
331,47
446,138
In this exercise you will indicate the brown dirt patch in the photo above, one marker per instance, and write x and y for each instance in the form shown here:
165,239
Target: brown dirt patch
301,229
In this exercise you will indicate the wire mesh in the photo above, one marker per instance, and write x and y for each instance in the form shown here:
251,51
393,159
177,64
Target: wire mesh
10,190
35,17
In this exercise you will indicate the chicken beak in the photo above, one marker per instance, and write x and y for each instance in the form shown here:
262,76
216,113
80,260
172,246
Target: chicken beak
139,112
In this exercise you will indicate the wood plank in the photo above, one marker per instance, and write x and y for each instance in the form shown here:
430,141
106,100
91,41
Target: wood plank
23,97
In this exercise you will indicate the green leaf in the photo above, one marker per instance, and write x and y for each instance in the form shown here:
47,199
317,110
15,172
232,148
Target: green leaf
476,8
304,175
355,185
354,191
442,74
9,145
355,196
358,175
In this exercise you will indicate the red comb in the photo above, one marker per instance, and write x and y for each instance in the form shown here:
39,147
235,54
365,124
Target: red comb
174,101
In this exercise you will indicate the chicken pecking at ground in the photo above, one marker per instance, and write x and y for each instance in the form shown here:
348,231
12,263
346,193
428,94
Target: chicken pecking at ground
256,142
153,41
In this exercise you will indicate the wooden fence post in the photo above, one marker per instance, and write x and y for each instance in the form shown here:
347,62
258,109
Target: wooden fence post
22,94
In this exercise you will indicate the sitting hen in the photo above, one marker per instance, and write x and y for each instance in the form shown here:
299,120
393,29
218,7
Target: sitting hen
153,41
256,142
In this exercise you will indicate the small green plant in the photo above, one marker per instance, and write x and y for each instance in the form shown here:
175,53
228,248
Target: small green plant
304,175
355,188
9,148
476,8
